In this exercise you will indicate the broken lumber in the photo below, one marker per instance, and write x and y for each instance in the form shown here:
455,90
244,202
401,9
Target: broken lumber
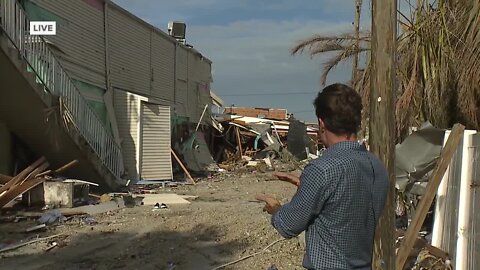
38,170
67,166
45,173
29,242
18,190
5,179
239,142
183,166
21,176
430,192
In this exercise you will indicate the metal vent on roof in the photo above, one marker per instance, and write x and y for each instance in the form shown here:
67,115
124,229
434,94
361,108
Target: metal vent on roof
177,29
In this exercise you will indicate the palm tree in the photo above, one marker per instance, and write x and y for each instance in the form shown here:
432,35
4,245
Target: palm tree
438,57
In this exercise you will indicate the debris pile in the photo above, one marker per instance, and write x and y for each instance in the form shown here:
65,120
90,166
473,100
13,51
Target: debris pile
32,176
259,144
430,167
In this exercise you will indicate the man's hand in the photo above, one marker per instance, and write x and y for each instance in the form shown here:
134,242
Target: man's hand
290,178
271,204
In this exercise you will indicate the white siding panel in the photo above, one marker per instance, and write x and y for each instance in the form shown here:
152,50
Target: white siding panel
126,112
182,63
193,74
163,67
198,94
156,156
129,53
181,92
181,109
192,102
81,39
205,71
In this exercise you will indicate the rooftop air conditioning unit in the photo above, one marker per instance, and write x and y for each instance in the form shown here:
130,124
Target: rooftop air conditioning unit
177,30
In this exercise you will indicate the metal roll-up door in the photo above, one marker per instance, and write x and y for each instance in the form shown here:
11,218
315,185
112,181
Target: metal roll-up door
156,162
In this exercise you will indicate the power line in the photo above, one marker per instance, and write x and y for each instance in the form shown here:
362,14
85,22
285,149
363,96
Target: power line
267,94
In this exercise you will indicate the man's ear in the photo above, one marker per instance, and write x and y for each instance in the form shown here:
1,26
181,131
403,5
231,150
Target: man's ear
321,124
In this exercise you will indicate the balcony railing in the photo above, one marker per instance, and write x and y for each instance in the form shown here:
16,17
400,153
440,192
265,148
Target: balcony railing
36,52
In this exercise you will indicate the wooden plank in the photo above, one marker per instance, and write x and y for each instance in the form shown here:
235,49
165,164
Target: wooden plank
18,190
183,167
38,170
66,167
19,177
5,179
43,174
240,122
430,192
239,142
19,245
382,121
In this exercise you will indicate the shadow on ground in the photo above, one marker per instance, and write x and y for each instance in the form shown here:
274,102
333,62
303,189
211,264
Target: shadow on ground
199,249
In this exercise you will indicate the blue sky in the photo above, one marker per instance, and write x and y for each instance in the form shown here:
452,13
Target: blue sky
249,41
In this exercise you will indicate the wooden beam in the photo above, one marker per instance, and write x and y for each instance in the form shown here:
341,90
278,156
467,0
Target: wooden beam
430,192
183,167
43,174
38,170
21,176
18,190
5,179
239,142
65,167
358,10
382,121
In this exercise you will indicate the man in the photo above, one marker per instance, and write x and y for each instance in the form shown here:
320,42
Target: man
340,195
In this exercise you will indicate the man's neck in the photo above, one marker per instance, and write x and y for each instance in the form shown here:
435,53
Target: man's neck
334,139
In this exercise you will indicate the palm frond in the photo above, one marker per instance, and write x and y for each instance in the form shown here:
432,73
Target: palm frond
335,60
438,64
317,40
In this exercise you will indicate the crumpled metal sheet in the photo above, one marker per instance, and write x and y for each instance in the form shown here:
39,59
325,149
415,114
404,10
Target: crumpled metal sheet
196,155
416,157
297,139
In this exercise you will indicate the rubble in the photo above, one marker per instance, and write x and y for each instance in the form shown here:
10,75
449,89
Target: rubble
251,150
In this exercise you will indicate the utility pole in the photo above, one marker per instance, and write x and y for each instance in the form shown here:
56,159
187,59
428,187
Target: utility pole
382,121
358,10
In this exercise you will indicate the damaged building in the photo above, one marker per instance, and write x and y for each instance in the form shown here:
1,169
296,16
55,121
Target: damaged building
126,89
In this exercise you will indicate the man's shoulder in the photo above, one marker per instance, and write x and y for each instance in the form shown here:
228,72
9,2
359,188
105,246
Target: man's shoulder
333,161
328,161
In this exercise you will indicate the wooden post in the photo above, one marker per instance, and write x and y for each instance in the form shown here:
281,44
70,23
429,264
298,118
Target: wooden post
183,167
382,121
358,10
66,167
430,192
239,142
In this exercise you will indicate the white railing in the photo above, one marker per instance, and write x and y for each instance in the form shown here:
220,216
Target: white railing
50,73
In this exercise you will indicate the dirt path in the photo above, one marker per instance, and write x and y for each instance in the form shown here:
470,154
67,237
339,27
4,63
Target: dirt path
221,225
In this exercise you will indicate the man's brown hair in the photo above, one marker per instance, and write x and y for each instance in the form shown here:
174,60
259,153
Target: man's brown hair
340,108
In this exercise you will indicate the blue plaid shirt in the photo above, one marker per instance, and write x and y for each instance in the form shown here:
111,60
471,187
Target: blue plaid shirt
338,203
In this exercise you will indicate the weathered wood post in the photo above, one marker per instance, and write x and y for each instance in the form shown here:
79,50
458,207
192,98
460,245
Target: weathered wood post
382,120
358,10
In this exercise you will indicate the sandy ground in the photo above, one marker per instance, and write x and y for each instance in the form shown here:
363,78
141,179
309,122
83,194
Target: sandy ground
223,224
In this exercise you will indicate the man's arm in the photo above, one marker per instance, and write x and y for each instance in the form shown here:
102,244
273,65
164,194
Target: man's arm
290,178
294,217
